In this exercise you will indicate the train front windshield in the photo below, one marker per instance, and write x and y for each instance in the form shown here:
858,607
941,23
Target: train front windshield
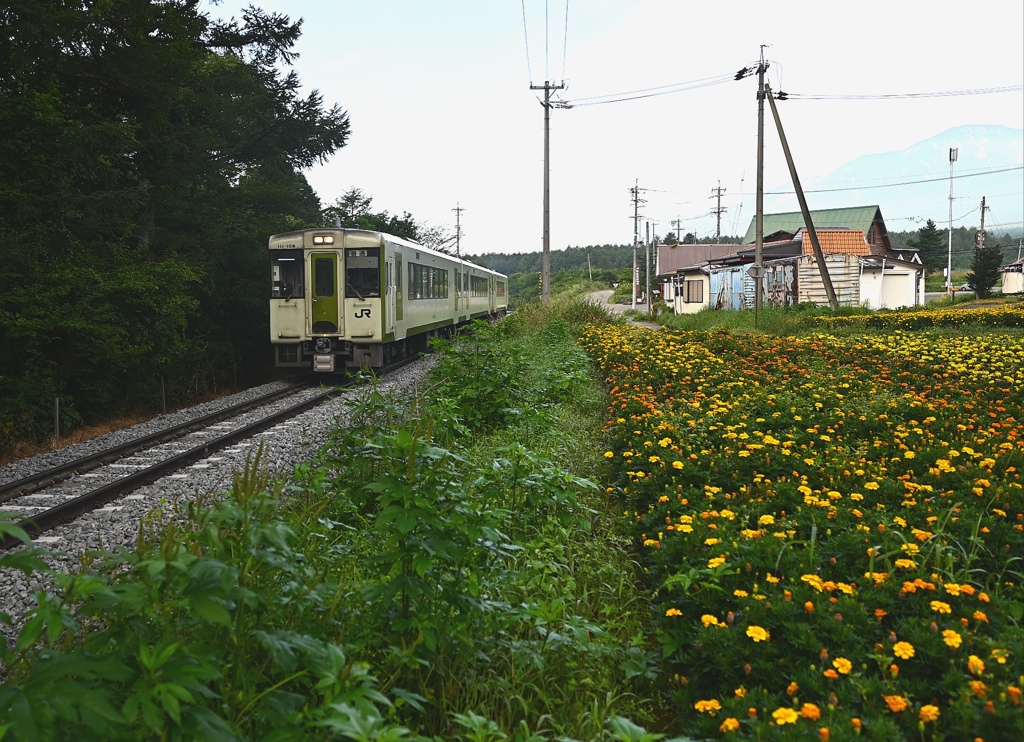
286,274
362,272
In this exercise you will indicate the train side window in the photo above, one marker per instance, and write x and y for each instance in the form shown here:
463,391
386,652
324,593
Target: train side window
286,274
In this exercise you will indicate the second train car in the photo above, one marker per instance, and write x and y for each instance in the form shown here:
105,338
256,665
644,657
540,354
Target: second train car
351,298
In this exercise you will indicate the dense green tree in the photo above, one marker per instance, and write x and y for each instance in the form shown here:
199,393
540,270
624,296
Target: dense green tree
985,267
355,209
146,152
931,245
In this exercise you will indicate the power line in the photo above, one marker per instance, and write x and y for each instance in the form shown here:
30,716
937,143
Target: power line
902,183
526,40
897,96
650,92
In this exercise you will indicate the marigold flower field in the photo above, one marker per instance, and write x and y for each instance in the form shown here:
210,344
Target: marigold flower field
834,527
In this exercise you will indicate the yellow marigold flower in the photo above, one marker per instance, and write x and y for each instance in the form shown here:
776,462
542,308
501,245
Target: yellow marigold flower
711,707
952,638
609,454
709,620
740,593
1000,655
810,711
939,607
929,713
758,634
712,541
871,485
716,562
766,520
677,464
903,650
740,692
895,703
785,715
843,665
729,725
975,664
952,588
673,612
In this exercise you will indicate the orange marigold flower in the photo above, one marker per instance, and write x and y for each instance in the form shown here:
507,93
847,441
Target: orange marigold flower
928,713
810,711
823,734
729,725
830,674
792,688
1014,693
711,707
784,715
903,650
809,607
978,688
895,703
855,723
980,616
881,613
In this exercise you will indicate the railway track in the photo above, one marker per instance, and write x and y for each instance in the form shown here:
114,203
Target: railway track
48,498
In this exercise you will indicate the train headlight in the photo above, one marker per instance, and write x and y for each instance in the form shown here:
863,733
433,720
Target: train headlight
323,239
323,345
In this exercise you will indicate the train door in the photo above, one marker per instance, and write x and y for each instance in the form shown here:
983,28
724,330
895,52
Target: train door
389,292
324,305
399,296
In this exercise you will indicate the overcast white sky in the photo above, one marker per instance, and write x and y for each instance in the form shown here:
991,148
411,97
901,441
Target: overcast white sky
438,93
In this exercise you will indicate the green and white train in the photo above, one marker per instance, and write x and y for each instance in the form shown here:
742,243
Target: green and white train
350,299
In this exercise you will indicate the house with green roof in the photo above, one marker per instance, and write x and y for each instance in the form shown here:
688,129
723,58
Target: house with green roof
868,219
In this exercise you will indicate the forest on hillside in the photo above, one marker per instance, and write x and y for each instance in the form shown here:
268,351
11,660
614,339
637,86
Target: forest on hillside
146,153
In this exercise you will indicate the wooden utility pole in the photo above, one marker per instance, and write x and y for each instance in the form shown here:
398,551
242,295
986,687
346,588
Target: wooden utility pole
826,279
545,287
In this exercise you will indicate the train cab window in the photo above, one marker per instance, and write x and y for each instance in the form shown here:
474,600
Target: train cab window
362,272
286,274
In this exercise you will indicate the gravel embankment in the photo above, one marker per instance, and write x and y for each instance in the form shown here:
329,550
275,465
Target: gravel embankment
117,524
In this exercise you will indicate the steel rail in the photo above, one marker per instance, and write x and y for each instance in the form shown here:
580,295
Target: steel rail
37,524
37,481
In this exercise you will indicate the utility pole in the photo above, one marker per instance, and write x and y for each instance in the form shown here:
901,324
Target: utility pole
647,270
949,259
458,229
826,279
545,290
635,191
679,229
718,210
759,217
979,239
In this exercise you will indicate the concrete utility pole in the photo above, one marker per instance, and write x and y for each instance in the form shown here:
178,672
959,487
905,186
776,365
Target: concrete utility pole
979,240
635,191
949,259
759,217
826,279
647,270
458,229
718,210
545,290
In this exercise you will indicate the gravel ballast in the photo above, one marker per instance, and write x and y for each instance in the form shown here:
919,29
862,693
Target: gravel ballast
116,525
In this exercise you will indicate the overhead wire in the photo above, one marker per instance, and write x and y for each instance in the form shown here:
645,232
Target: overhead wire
894,96
526,40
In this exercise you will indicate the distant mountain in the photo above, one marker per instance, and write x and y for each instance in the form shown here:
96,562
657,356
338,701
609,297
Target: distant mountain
912,185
